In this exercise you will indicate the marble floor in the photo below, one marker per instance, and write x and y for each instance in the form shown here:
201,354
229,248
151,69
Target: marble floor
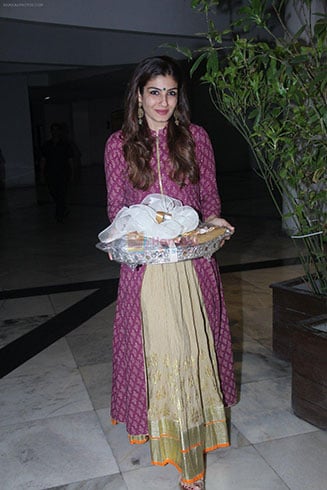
57,301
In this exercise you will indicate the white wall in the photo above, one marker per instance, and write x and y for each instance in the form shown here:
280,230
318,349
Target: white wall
15,131
297,14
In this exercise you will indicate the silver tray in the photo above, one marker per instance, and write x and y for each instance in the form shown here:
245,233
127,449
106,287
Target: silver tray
151,251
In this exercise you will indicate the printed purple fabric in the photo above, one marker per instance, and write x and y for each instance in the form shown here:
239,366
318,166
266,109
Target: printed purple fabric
128,402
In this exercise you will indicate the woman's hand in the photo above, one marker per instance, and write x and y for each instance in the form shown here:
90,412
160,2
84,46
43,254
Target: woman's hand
221,222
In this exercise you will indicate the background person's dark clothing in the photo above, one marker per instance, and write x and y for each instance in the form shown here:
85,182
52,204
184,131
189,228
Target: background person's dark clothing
57,172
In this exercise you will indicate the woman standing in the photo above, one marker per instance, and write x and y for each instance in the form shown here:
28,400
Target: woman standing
172,360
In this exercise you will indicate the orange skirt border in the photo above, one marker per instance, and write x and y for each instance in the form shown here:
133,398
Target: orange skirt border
179,469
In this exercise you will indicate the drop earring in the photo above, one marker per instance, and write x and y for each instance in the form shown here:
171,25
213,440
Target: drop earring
140,114
176,118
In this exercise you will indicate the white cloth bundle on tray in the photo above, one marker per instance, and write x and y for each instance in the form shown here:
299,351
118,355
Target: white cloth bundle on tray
158,216
160,230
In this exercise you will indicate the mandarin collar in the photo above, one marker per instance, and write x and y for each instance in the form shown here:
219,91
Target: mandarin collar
159,132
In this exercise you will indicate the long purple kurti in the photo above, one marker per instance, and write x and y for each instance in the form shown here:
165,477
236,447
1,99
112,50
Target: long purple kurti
129,401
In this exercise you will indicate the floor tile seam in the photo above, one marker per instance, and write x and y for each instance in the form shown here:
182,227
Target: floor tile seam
149,465
96,410
65,485
315,430
51,301
91,364
272,468
72,368
254,414
265,412
269,378
48,417
230,424
89,394
89,480
288,376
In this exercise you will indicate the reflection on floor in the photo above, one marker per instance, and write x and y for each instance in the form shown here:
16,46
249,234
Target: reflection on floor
56,310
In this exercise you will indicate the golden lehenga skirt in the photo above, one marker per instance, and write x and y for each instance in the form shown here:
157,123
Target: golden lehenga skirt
186,416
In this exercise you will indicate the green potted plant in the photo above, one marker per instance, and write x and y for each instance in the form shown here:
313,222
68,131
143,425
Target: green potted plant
271,84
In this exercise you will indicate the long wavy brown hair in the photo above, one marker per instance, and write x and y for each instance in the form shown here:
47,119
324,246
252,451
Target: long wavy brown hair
138,143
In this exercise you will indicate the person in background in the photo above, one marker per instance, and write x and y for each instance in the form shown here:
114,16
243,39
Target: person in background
56,166
172,358
77,155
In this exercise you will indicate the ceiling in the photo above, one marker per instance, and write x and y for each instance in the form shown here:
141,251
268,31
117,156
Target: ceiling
65,49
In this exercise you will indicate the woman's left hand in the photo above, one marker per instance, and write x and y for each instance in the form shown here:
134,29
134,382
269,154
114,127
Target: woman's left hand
222,223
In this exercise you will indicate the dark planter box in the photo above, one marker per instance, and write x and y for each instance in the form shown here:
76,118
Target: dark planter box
292,303
309,370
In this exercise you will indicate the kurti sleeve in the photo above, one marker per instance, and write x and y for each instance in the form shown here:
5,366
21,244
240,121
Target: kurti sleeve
115,173
210,200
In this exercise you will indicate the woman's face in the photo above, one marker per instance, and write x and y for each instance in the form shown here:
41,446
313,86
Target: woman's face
159,99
